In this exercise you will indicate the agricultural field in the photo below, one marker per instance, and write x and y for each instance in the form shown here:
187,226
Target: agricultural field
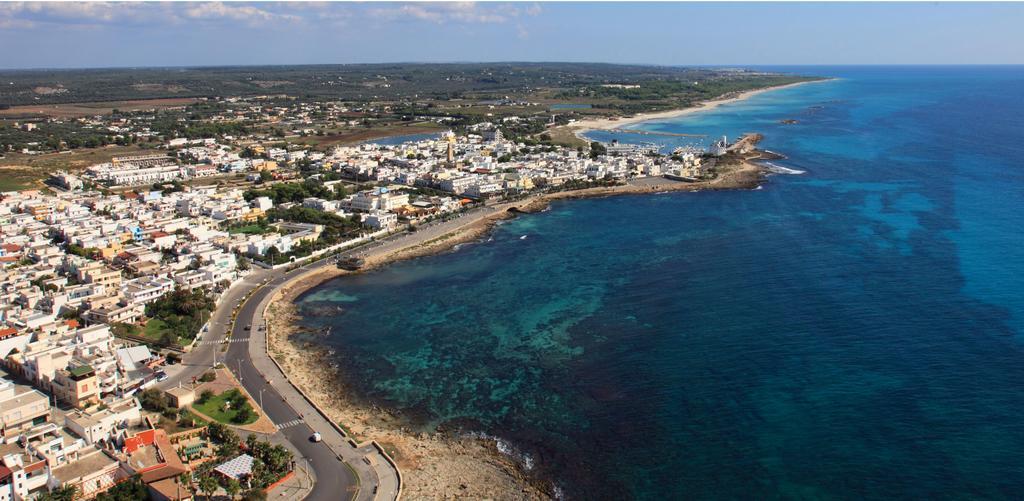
354,135
77,110
19,171
365,82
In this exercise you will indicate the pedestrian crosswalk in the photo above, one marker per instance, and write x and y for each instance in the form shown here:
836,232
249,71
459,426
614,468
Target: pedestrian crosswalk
232,340
289,424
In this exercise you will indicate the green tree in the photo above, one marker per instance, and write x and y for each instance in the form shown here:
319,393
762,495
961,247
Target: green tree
227,441
242,414
273,255
208,485
132,489
232,487
64,493
185,482
153,400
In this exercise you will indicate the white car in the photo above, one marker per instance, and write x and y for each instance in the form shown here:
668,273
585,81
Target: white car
316,437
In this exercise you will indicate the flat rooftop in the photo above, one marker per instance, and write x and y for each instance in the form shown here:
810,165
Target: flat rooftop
94,462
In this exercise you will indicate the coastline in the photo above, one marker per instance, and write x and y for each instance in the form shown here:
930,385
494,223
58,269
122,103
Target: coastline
581,127
439,465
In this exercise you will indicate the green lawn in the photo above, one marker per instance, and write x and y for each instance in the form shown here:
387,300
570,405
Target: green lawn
154,328
215,408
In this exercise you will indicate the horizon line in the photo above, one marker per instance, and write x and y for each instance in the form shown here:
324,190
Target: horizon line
652,65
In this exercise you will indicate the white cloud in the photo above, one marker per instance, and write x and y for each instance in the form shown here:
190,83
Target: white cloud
459,12
34,14
48,15
235,12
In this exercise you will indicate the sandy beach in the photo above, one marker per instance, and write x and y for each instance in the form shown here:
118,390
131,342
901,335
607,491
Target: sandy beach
583,126
439,465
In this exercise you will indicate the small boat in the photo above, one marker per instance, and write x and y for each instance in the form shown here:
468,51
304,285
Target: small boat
522,237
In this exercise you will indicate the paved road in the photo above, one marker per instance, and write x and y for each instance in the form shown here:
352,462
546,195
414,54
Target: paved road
333,477
339,469
371,478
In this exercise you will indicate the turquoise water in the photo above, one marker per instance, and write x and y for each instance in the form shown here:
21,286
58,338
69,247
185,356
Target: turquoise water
852,332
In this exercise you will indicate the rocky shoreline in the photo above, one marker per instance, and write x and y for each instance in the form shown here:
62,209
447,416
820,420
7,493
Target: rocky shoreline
440,465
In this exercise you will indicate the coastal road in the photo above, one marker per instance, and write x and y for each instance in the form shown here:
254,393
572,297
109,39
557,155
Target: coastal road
293,412
334,480
340,469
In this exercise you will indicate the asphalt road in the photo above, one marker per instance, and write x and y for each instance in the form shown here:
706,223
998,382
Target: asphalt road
333,478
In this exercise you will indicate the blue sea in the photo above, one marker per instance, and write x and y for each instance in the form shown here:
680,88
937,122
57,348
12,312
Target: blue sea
856,331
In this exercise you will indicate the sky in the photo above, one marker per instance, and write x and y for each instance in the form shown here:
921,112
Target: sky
112,34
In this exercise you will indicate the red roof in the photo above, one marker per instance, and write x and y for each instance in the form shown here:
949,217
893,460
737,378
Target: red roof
132,444
72,323
11,247
172,466
158,234
8,332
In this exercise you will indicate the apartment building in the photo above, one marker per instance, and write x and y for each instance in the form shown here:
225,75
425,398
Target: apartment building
21,408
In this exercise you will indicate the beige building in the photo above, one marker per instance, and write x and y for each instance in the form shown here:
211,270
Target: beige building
110,424
97,273
21,407
180,397
77,386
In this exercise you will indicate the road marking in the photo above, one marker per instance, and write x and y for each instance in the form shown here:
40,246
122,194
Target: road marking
232,340
289,424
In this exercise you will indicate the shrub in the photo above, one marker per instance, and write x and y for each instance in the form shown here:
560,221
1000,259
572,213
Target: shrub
242,414
153,400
